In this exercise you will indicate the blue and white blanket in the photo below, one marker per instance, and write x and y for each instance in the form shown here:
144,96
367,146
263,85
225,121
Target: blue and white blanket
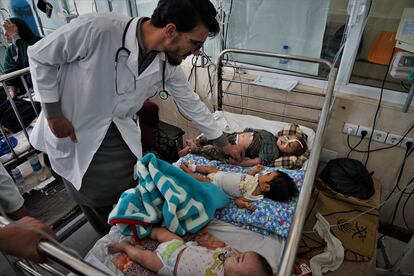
165,194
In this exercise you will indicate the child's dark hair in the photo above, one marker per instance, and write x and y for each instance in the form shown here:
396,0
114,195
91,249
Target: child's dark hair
282,187
266,268
301,149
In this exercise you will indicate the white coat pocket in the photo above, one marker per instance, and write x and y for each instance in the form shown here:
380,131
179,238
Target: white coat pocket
59,147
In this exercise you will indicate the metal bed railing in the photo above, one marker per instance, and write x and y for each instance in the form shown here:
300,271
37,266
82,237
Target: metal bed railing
3,78
291,245
58,255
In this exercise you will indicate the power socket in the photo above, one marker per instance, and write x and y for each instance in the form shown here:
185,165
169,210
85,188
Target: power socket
379,136
362,128
393,139
350,129
406,140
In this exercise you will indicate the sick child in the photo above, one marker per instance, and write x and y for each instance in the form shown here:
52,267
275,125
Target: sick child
260,146
245,188
174,257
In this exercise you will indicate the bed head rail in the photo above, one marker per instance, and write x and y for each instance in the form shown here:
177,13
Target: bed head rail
289,109
291,246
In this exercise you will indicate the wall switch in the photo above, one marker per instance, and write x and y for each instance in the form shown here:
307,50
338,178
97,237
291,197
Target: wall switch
393,139
379,136
362,128
350,129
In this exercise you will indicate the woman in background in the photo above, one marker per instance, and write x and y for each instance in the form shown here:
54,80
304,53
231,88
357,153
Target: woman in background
20,37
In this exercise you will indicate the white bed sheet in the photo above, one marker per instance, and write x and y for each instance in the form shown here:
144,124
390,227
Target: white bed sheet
22,145
271,247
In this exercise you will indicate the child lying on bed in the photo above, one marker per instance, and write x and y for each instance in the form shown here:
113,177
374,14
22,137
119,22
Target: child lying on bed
260,146
174,257
245,188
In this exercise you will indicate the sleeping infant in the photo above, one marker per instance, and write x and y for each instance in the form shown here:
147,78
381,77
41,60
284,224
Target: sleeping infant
245,188
174,257
260,146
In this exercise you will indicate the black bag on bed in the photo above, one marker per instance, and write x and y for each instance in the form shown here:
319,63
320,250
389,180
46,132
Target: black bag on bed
348,177
9,120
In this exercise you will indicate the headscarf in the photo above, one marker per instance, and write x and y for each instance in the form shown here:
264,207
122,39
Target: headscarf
27,38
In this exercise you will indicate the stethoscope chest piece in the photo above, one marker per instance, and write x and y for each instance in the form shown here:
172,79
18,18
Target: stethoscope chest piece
163,95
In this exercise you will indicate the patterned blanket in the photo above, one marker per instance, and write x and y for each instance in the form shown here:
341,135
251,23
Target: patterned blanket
167,195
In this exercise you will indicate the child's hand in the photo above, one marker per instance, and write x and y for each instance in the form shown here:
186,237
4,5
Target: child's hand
257,168
242,203
184,167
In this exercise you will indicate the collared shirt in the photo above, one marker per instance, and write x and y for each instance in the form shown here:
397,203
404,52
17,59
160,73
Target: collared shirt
76,66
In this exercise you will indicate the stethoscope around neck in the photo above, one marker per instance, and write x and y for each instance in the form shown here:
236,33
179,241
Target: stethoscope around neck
163,93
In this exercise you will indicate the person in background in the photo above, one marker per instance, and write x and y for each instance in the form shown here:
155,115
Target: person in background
19,238
20,37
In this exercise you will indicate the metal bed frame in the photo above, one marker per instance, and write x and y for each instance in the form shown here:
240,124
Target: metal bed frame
291,246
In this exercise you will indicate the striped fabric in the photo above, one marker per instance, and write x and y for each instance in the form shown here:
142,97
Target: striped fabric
167,195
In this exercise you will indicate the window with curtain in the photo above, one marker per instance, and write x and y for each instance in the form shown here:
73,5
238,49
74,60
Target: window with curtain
377,45
307,28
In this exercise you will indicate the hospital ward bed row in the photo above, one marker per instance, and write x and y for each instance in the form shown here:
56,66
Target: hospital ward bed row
273,230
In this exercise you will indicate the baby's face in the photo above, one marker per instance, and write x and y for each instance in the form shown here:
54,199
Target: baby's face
241,263
288,144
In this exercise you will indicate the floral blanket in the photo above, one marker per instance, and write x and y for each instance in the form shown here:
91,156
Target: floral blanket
269,216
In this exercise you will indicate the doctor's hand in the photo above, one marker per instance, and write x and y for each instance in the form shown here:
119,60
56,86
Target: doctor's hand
21,238
235,151
62,127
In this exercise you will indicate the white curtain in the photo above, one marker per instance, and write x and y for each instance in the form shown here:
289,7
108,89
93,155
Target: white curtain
267,25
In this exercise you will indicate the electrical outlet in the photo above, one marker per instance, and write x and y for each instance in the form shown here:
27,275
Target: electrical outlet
393,139
350,129
362,128
379,136
406,140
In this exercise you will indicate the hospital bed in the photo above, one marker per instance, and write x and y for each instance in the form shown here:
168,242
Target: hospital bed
280,252
292,242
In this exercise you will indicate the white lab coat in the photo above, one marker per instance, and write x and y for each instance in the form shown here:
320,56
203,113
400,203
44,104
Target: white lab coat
76,66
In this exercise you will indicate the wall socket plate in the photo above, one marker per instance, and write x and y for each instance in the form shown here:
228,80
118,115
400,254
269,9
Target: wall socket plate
363,128
406,140
353,129
393,139
379,136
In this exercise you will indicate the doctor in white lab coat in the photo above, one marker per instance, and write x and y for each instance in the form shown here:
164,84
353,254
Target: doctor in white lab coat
89,100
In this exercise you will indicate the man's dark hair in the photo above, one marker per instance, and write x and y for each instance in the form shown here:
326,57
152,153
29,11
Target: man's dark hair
186,15
282,187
